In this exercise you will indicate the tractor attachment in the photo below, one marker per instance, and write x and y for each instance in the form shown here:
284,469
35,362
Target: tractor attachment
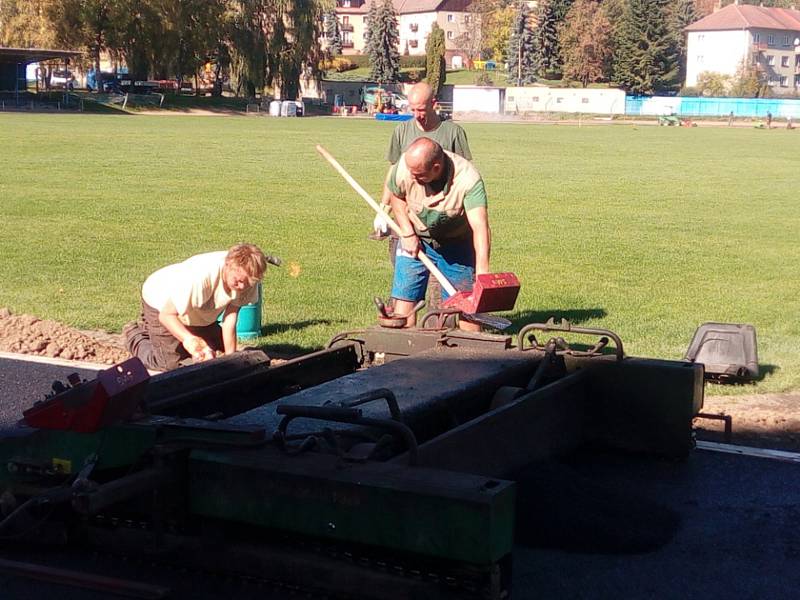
379,467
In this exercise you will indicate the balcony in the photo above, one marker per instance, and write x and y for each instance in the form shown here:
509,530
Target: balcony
347,44
346,27
761,46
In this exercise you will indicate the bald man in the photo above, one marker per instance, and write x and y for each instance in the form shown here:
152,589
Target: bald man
439,202
426,123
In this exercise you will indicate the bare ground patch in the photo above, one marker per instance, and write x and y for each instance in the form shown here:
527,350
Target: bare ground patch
26,334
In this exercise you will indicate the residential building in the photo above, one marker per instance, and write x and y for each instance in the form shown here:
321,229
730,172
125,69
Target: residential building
741,34
415,19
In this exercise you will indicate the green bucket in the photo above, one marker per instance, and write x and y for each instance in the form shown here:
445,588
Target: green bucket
248,325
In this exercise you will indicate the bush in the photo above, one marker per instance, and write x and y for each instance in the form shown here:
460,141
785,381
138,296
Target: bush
412,75
689,92
340,64
359,60
483,78
413,62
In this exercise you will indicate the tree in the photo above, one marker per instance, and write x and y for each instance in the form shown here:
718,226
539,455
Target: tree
713,84
646,58
584,37
383,39
522,48
496,31
435,63
84,24
272,44
548,59
683,15
750,81
26,24
333,33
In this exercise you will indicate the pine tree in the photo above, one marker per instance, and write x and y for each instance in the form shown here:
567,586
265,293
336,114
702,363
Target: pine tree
435,63
333,33
383,39
683,15
522,49
548,59
646,57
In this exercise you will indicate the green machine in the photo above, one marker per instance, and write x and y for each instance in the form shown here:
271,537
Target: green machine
380,467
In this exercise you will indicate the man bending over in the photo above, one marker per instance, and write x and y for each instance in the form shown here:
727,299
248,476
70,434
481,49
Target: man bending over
181,303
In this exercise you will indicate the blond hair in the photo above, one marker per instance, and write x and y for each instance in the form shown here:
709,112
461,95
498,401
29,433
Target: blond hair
249,258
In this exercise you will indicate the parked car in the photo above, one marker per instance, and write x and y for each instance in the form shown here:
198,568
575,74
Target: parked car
62,80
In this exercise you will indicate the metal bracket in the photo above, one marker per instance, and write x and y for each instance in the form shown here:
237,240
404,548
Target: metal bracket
551,325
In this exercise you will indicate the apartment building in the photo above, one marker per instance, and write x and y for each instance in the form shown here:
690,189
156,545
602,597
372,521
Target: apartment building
415,19
759,36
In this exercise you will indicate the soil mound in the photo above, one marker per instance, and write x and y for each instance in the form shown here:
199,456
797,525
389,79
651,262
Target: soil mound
26,334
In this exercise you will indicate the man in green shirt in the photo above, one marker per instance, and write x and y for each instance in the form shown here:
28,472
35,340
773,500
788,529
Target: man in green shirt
439,201
426,123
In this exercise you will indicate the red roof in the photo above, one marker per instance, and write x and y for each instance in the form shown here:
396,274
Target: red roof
746,16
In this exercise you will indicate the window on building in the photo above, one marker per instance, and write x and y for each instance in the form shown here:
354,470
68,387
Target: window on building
414,27
466,19
584,101
756,38
784,61
449,35
796,80
701,37
345,19
772,80
451,17
535,99
559,100
699,59
786,41
345,3
770,39
770,60
413,43
784,81
797,60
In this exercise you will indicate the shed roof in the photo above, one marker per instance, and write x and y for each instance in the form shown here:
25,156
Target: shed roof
29,55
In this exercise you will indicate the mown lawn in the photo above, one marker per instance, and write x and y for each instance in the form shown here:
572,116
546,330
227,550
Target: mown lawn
648,231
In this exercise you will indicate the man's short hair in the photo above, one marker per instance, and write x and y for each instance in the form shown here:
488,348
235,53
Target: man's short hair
249,257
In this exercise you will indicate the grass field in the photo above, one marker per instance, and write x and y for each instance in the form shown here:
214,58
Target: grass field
647,231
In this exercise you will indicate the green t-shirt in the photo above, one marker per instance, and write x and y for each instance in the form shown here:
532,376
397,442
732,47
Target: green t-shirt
448,135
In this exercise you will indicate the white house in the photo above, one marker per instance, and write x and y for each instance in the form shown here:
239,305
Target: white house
738,34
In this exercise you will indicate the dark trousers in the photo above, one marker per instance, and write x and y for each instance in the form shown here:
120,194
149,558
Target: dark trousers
157,348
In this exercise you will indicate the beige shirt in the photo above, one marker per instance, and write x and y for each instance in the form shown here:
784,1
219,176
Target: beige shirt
195,288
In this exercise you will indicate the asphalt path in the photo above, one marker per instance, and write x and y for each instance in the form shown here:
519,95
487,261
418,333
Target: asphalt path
594,526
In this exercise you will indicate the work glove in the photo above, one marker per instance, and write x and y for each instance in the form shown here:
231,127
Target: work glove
197,348
379,225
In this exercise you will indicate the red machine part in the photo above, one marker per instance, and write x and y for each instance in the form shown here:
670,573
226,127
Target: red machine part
491,292
113,397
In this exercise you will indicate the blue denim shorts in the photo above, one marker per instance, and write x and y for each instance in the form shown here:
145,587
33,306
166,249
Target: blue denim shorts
456,261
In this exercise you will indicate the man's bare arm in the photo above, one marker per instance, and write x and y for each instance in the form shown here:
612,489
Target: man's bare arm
481,238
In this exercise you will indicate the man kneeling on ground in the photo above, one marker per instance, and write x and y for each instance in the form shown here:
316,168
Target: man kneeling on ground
181,303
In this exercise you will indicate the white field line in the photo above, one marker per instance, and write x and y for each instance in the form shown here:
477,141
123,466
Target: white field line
59,362
749,451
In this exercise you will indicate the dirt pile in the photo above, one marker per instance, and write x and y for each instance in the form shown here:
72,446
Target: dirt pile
26,334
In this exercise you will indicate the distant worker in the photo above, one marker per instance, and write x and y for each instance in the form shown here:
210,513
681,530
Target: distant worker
769,120
439,202
181,303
